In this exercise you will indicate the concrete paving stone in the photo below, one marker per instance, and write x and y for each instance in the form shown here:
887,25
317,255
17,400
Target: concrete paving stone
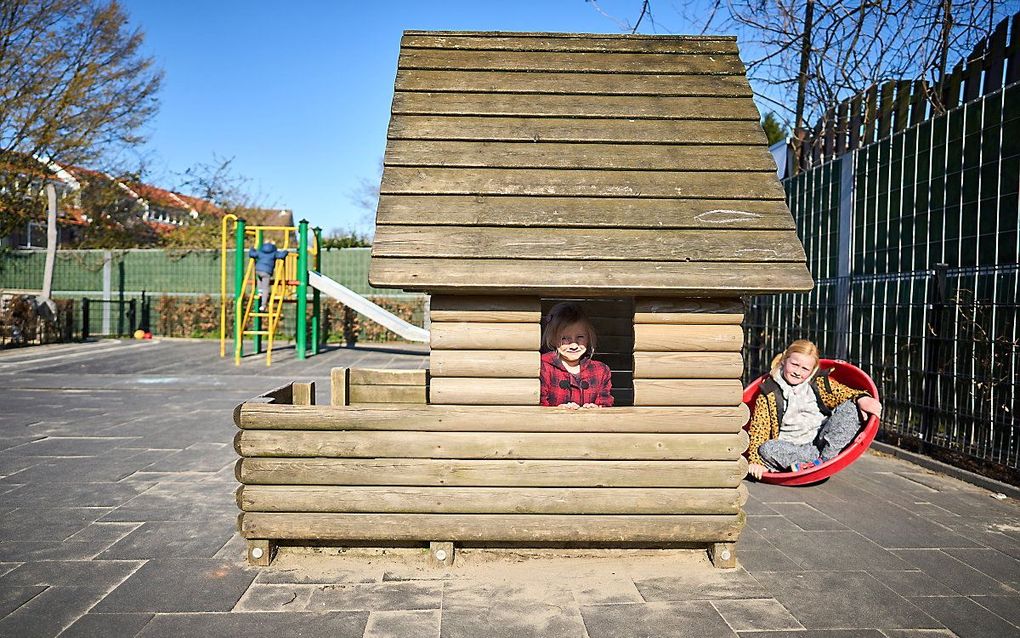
235,549
281,574
756,615
103,534
403,624
991,534
690,619
105,625
70,446
807,517
275,598
13,597
974,502
102,575
918,633
7,567
376,596
606,592
185,499
890,526
76,494
257,625
966,618
46,524
200,457
172,539
818,550
750,539
844,600
85,469
701,584
990,562
769,525
484,594
816,633
180,585
11,466
765,560
1006,607
47,550
9,444
962,578
911,583
48,613
513,619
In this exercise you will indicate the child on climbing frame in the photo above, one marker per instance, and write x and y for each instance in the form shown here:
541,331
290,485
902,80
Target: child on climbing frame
569,377
265,262
802,418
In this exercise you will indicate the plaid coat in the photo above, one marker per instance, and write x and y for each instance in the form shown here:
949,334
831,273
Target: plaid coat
592,385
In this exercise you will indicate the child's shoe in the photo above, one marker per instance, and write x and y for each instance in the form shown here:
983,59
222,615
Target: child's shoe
800,467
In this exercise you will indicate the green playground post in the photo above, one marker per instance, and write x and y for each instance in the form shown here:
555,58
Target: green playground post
302,290
239,264
257,323
316,302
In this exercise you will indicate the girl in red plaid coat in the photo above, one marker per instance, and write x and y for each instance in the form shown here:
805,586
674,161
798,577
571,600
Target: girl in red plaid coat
569,376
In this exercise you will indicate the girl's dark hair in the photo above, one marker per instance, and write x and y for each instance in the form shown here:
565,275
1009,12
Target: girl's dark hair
562,315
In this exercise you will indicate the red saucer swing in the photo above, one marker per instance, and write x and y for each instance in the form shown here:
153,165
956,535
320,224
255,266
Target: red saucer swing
849,375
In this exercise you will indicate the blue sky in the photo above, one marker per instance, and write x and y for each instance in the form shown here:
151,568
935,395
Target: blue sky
299,93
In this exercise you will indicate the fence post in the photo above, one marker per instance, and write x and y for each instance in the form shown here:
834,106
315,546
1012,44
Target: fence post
107,289
842,301
132,316
144,323
934,342
84,318
301,340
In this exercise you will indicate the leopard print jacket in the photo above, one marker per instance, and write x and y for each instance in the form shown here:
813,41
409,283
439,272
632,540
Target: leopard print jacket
768,409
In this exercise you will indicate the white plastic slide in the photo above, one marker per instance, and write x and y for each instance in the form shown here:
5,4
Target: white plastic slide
351,299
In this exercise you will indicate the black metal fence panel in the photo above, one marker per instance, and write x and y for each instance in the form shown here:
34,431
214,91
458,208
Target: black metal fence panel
913,244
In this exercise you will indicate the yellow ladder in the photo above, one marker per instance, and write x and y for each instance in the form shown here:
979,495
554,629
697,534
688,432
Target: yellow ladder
274,308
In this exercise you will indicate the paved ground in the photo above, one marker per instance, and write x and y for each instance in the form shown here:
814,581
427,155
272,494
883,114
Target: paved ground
117,519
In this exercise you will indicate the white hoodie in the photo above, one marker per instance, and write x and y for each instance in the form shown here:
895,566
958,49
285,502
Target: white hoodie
802,418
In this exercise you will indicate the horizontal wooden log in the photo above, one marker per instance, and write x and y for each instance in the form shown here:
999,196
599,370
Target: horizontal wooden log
578,243
491,445
493,527
485,363
532,418
485,309
573,83
688,365
590,212
491,473
529,61
572,42
688,311
555,277
484,336
369,376
549,105
532,155
386,394
721,392
582,130
672,305
474,391
687,338
488,500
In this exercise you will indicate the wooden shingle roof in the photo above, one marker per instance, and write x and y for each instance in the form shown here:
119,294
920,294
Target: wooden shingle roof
542,163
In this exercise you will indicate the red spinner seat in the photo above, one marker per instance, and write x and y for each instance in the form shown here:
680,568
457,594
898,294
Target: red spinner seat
849,375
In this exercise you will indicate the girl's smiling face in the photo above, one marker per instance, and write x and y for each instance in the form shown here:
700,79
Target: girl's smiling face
573,343
798,368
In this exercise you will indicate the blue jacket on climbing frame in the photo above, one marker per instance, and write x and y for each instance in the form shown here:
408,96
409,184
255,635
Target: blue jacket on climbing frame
266,256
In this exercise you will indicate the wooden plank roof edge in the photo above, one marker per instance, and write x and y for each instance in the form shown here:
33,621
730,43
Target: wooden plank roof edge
554,34
482,69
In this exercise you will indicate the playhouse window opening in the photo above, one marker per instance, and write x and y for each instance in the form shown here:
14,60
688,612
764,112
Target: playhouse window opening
613,322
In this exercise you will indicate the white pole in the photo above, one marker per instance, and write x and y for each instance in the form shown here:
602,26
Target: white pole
51,240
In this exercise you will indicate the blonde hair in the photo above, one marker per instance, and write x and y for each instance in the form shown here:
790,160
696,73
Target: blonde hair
800,346
565,314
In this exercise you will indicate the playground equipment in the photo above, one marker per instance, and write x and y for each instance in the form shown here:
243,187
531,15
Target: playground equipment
849,375
292,278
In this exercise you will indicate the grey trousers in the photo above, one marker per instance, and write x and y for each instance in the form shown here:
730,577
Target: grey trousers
834,435
265,284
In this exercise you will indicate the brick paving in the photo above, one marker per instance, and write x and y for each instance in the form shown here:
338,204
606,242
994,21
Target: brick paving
117,519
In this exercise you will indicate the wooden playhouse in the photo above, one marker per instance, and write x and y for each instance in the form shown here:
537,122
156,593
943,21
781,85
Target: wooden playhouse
627,172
